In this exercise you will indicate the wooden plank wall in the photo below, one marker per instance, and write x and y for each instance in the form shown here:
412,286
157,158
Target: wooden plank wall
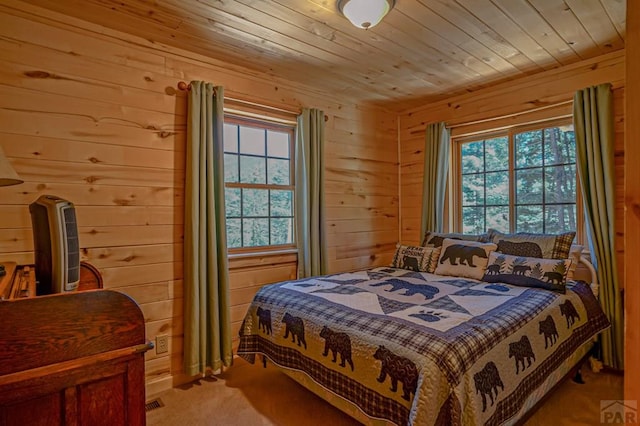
521,100
94,116
632,196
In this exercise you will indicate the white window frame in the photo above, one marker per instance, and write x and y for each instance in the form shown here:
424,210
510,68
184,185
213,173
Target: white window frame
280,127
455,176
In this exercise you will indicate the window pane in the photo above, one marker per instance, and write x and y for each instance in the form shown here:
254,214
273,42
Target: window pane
255,202
252,169
560,218
529,186
230,138
528,146
278,171
258,159
251,140
559,145
232,201
529,219
230,168
234,236
255,232
472,157
281,231
498,218
278,144
473,220
281,203
497,188
542,176
497,154
560,184
472,190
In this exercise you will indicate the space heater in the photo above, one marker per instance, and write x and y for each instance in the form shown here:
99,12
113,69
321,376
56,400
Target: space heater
56,245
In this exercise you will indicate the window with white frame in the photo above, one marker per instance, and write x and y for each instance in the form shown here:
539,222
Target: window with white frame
518,180
258,183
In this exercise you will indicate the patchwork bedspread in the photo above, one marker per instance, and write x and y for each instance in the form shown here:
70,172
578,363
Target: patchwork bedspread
417,348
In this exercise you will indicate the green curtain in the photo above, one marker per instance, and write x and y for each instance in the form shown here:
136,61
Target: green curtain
594,132
207,320
309,199
436,167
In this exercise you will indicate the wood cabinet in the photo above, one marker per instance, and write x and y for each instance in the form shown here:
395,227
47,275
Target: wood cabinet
72,359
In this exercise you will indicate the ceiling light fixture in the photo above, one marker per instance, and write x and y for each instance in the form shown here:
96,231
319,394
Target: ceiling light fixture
365,13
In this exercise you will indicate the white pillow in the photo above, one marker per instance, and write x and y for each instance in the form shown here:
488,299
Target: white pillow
464,258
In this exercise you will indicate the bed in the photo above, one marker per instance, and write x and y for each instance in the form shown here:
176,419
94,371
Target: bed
392,345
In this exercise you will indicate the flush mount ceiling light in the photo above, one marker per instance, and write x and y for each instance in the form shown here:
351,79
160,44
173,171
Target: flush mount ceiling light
365,13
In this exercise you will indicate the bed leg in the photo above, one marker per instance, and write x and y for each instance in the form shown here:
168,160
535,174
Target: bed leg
264,361
578,377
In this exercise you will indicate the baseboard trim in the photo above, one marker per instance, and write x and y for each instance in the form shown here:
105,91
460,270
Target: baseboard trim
156,386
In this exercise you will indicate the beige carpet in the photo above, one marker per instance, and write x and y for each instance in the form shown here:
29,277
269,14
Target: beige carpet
252,395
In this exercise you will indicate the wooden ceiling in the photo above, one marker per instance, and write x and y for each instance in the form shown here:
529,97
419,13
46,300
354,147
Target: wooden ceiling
422,50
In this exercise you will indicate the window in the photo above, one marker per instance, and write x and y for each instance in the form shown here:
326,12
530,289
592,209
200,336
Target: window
258,183
522,180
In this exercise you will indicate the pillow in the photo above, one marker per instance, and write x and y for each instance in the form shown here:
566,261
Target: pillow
574,254
550,274
464,258
435,239
547,246
419,259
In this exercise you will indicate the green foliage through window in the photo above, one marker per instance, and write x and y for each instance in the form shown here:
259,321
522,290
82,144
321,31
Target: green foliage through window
522,181
258,184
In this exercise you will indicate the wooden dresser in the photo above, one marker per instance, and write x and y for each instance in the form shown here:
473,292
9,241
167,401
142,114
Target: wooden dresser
19,281
72,359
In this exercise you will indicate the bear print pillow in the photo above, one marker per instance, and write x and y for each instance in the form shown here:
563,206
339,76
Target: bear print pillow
548,246
435,239
419,259
464,258
550,274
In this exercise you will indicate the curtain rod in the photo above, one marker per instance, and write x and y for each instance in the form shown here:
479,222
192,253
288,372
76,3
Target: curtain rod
187,86
420,129
515,114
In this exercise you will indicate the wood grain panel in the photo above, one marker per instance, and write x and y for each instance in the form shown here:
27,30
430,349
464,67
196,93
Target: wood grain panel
33,147
154,292
141,274
104,84
95,195
258,276
104,257
93,115
421,50
632,207
521,101
541,90
18,216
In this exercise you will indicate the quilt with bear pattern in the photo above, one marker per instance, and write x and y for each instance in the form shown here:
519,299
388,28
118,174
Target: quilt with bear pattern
416,348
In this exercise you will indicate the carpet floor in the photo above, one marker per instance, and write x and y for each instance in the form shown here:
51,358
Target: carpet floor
250,395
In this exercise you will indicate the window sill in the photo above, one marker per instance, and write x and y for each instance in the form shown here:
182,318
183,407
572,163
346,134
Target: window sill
263,258
263,253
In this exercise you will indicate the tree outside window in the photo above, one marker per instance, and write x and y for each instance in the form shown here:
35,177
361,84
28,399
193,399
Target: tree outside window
258,184
523,180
